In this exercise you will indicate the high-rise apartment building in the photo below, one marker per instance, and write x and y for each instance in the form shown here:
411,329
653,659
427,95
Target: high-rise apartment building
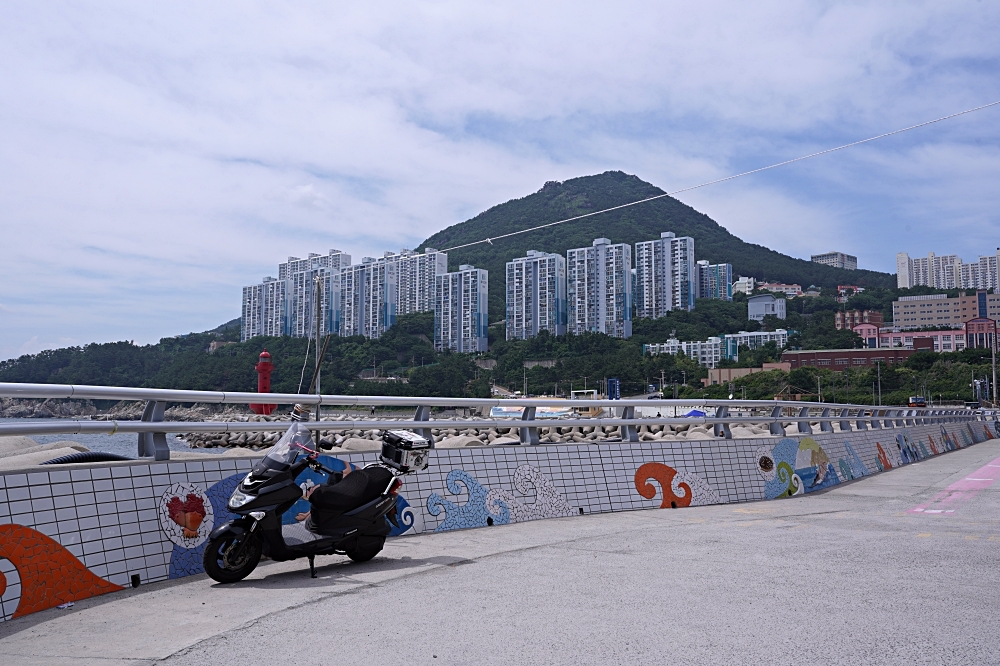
536,295
836,260
715,280
287,305
363,299
415,278
665,275
300,276
599,289
947,272
460,312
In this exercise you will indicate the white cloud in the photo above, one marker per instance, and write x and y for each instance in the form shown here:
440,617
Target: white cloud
158,158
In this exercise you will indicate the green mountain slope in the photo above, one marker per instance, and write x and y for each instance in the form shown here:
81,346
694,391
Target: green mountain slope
556,201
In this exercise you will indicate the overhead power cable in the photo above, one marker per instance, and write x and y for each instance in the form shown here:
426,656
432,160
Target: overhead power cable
721,180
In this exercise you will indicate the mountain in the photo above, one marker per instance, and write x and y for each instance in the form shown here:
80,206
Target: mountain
557,201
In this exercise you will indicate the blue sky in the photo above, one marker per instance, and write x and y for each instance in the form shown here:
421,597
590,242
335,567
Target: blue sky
155,159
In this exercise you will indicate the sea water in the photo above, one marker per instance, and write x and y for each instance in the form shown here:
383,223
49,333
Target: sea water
124,444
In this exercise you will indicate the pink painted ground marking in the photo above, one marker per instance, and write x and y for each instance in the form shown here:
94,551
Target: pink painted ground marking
960,492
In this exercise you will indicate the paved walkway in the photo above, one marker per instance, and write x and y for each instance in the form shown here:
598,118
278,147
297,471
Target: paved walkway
856,575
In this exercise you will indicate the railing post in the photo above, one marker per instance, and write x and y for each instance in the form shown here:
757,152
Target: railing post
804,425
875,422
825,425
899,421
776,426
528,434
845,425
722,429
153,443
423,413
628,432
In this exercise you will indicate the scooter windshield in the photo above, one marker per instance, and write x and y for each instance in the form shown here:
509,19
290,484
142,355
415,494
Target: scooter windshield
295,442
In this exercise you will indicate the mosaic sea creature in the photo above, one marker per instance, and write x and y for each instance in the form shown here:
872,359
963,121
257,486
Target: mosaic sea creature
529,481
678,488
474,513
43,572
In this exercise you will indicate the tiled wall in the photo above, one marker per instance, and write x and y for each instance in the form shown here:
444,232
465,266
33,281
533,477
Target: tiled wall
66,534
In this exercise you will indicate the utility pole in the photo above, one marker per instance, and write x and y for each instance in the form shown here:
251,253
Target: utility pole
317,292
879,366
524,392
661,382
993,353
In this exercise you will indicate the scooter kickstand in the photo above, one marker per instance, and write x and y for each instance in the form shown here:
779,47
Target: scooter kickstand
312,566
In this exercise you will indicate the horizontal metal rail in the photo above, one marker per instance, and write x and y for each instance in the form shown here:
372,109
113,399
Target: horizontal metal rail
727,414
86,392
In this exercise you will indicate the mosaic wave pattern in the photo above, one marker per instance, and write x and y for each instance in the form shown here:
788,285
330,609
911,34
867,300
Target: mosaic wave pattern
70,534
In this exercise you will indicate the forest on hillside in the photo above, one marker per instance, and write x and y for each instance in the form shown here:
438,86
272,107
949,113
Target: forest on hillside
557,201
357,366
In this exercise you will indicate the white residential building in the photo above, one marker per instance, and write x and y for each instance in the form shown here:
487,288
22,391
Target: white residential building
836,260
762,305
708,353
733,341
744,285
599,289
665,275
536,295
300,276
715,280
460,314
947,272
415,278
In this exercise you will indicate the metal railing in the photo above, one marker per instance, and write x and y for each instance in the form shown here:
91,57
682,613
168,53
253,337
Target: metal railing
720,415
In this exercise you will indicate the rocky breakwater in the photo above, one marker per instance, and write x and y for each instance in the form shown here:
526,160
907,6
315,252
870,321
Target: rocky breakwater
450,433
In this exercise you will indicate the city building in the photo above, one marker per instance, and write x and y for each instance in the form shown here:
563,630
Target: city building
724,375
367,298
762,305
416,276
665,275
753,340
300,276
980,333
743,285
848,319
789,290
909,312
708,353
836,260
536,295
884,337
947,272
286,305
715,280
599,289
845,359
460,312
263,311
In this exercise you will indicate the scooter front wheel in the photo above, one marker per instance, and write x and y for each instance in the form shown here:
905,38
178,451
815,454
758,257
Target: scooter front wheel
228,559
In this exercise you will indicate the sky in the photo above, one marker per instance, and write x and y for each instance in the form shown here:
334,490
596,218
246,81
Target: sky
154,159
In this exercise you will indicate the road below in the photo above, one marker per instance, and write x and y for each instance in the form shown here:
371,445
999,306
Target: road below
900,568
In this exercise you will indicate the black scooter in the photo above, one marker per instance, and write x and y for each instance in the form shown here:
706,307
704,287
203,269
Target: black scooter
358,529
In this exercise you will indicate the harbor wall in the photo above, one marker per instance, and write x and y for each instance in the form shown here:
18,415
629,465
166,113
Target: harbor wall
71,532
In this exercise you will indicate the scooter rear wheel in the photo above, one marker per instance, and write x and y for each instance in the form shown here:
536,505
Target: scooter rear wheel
228,561
366,550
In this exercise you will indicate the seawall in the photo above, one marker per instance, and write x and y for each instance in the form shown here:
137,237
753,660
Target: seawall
71,533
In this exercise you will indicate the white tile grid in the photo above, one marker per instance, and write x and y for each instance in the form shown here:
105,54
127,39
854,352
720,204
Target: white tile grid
115,543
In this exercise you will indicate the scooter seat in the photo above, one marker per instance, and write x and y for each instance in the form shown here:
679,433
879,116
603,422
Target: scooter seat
356,490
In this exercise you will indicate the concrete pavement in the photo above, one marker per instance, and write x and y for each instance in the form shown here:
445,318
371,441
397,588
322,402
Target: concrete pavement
850,576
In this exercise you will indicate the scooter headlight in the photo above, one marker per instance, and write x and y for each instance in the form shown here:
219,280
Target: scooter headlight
238,499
